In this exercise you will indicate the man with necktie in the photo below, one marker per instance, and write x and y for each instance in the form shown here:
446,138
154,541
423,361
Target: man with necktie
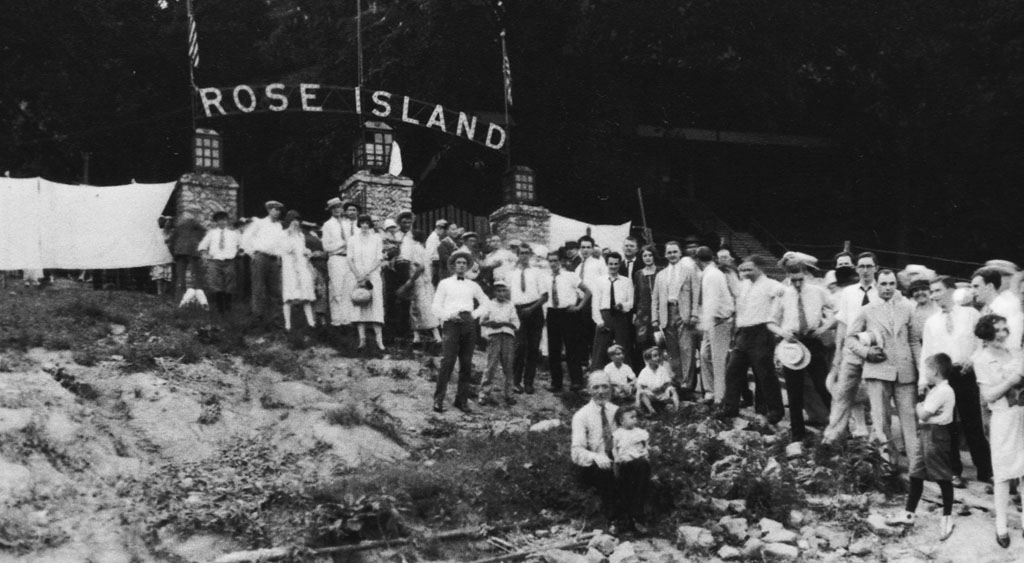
341,281
219,249
529,294
592,428
675,310
610,309
567,296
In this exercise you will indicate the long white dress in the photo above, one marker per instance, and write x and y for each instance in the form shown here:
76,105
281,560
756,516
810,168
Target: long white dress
421,312
296,271
341,279
365,252
1006,429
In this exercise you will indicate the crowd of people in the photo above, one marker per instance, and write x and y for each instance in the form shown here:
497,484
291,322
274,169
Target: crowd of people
655,326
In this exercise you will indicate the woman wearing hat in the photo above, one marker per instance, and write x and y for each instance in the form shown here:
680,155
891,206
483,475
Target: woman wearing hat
296,271
365,257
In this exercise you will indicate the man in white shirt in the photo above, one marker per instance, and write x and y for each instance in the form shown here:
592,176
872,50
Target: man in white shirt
219,248
592,267
262,239
529,294
804,315
717,322
592,442
755,343
454,307
431,246
995,296
610,306
675,310
337,230
566,298
951,332
499,261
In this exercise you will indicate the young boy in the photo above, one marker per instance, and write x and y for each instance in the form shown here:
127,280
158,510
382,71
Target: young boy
219,248
498,324
653,385
934,414
622,376
632,466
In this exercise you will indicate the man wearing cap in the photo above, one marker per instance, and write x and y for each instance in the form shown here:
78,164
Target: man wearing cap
804,316
592,444
755,343
717,320
448,245
567,296
219,248
890,361
951,332
675,310
262,239
337,230
529,294
433,242
453,305
610,307
470,245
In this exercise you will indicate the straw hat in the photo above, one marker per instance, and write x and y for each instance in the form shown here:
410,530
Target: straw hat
793,355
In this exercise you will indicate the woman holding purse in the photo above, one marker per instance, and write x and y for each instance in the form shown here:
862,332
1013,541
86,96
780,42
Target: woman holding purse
365,256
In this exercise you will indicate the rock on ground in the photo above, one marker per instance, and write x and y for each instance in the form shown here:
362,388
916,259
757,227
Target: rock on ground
781,551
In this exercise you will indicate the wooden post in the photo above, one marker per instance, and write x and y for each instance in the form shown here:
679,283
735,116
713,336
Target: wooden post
846,246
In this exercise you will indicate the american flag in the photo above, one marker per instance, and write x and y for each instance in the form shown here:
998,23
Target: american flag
193,37
506,70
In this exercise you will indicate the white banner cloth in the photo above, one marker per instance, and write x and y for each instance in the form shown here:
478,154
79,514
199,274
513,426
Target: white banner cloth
44,224
605,236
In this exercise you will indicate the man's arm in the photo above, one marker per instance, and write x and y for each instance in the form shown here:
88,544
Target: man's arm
852,342
914,333
439,298
481,298
595,304
656,300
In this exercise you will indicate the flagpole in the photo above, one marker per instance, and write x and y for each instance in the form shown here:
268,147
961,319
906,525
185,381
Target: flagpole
506,75
193,58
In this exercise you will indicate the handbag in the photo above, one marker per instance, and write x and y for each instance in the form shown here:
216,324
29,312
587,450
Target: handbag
361,295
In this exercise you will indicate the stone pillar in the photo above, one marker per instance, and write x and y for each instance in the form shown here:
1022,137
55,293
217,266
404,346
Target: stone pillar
528,223
201,194
380,195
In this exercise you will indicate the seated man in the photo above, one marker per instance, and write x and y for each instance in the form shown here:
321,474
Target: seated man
592,443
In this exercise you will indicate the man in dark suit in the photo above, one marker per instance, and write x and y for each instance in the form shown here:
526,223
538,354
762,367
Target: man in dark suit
630,257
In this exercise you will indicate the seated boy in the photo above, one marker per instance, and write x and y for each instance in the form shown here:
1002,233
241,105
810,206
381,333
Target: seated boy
654,385
621,375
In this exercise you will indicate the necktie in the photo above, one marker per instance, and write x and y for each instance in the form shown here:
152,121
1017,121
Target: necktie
221,243
800,314
460,278
864,301
522,280
611,301
606,431
554,291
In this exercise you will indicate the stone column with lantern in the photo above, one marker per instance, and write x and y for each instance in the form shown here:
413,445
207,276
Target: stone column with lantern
520,217
380,193
207,189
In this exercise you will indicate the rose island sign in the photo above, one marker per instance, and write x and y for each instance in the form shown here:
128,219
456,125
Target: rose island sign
306,97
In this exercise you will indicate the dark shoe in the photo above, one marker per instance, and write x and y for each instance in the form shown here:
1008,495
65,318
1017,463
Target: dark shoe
727,413
487,401
464,407
518,389
438,406
1003,541
530,391
958,482
509,401
774,418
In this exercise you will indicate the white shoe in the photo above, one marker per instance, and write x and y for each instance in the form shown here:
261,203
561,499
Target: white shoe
947,528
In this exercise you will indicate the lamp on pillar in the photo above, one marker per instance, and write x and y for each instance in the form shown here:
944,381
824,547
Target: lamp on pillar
373,150
207,151
518,186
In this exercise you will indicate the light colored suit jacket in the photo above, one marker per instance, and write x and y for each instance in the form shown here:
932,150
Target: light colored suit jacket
688,297
899,340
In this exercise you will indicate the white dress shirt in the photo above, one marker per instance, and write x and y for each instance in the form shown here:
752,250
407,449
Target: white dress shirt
620,376
591,270
959,345
717,302
501,261
1007,305
335,237
817,305
263,235
756,302
602,296
850,301
526,284
588,432
567,287
222,244
455,296
433,241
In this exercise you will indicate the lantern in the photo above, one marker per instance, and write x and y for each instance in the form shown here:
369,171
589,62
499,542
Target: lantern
518,185
207,151
373,151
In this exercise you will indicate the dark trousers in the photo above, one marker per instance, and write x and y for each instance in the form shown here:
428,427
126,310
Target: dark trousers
183,263
754,348
266,285
587,330
816,371
634,483
564,330
603,482
968,408
458,342
617,329
531,325
396,308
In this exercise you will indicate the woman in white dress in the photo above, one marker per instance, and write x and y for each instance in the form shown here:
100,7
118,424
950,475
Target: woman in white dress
999,372
421,293
365,257
297,286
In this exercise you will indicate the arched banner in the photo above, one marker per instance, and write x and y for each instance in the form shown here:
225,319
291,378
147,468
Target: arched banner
374,104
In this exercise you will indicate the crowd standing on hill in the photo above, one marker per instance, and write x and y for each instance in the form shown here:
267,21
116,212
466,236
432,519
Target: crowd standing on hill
652,327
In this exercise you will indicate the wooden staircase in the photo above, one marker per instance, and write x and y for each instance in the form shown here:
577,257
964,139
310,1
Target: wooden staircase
757,240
